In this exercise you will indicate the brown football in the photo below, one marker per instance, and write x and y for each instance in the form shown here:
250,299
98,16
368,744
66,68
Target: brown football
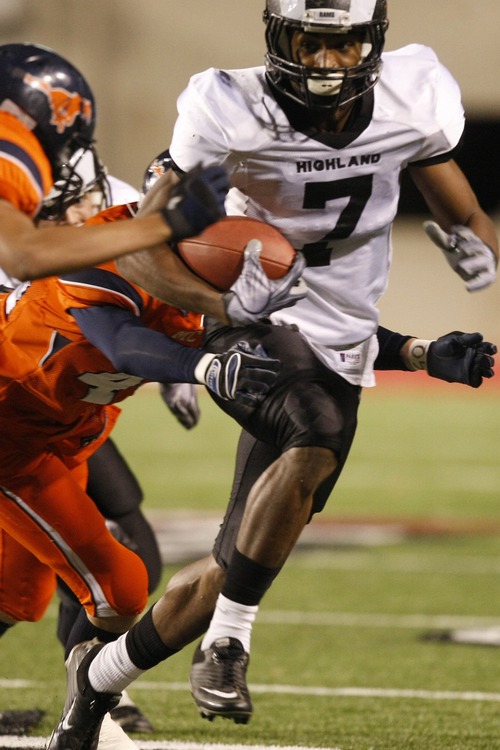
216,255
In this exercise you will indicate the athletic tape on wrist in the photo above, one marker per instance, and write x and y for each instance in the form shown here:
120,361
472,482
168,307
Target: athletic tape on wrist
417,354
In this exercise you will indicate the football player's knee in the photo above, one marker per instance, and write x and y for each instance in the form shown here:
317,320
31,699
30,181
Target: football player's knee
135,532
129,584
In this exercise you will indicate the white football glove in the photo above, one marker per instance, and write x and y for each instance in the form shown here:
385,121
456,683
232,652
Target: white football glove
470,257
182,400
253,295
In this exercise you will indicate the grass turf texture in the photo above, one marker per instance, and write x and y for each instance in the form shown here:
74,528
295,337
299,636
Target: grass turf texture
417,455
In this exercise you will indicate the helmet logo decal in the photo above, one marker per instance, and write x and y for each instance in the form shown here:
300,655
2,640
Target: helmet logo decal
65,105
157,168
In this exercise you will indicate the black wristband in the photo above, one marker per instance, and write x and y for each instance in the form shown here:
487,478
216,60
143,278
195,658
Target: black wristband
390,345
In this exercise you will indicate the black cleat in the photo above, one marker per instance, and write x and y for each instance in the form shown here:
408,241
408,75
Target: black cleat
84,710
436,636
470,637
218,681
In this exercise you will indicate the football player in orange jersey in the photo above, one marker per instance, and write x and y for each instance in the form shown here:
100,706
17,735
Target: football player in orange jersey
111,483
47,112
47,117
71,348
120,496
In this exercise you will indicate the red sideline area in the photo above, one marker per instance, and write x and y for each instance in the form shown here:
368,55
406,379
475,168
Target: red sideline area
390,381
390,384
326,531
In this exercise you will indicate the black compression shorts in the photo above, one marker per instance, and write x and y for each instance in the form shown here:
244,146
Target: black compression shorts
309,405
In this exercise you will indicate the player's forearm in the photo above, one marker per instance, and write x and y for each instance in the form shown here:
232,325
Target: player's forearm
452,201
135,349
483,227
30,253
393,350
163,275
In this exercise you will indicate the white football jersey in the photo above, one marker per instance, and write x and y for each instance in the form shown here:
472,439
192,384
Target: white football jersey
335,203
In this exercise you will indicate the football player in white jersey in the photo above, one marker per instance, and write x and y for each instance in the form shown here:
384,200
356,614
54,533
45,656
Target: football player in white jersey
314,143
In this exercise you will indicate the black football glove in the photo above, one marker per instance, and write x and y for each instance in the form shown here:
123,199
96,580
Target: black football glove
461,358
242,373
196,202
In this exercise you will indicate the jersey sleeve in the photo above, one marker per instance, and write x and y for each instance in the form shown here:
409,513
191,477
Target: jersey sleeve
25,173
450,117
136,349
100,286
199,129
103,284
430,99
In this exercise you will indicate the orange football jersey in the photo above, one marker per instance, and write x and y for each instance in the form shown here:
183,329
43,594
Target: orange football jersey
57,390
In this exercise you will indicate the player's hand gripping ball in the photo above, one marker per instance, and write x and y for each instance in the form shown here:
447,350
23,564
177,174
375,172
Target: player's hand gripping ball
216,254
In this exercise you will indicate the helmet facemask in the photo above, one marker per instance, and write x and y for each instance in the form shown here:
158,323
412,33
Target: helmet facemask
322,88
82,173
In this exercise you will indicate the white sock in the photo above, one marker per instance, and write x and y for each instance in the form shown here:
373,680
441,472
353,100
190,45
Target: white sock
230,619
112,670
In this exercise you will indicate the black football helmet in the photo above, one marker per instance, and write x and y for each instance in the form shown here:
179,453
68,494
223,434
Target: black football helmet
52,98
160,164
324,88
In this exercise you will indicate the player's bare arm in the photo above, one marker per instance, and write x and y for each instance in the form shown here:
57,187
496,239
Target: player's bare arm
29,253
194,203
462,230
161,273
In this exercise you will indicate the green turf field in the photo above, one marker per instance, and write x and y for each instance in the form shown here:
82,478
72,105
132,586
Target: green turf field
337,660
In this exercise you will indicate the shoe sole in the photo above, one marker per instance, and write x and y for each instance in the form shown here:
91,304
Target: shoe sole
239,717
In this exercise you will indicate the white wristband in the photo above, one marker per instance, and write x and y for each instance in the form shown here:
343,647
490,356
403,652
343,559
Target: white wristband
201,368
417,354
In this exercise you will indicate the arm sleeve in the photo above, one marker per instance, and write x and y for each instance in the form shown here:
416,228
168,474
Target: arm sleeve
389,355
135,349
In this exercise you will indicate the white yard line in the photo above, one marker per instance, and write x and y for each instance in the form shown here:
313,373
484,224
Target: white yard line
337,559
8,741
34,743
361,619
356,692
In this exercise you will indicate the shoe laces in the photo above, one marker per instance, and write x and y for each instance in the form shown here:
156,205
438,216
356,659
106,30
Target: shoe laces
233,660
